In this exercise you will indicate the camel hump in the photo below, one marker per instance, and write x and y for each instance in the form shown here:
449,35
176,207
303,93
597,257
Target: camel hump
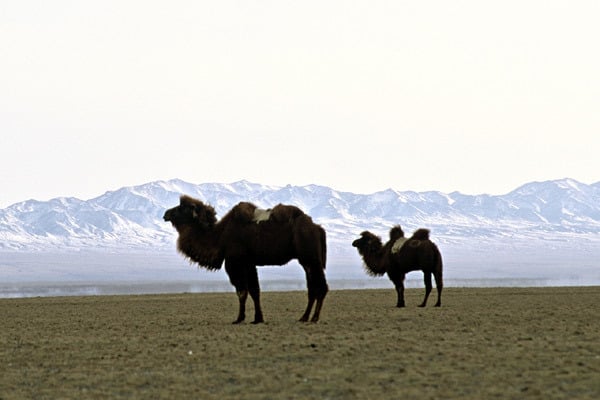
396,233
285,213
248,212
421,234
244,211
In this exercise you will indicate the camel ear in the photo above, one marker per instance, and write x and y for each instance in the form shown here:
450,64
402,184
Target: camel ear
197,212
204,214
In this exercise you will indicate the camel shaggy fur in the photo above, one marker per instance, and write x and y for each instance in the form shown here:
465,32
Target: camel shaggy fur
400,256
247,237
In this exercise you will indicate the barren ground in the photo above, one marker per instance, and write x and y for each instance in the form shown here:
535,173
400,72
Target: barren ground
483,343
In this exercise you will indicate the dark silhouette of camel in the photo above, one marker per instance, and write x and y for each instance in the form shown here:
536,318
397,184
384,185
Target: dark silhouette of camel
247,237
400,256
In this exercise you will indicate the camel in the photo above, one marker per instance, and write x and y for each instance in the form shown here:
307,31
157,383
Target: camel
400,256
247,237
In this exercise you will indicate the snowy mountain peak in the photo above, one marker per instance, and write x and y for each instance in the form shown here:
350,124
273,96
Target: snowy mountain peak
131,217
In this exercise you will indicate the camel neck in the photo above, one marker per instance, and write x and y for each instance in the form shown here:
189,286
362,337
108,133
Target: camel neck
201,247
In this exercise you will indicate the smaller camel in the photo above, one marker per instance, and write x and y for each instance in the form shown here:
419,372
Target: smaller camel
400,256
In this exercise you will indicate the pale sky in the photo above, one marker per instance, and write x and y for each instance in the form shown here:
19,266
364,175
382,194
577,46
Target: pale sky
471,96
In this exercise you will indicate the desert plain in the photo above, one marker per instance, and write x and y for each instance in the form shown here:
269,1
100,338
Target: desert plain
506,343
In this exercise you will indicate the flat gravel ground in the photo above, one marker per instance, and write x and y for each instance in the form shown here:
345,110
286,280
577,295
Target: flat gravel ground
508,343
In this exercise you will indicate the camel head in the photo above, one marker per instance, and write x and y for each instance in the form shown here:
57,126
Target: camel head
367,243
191,212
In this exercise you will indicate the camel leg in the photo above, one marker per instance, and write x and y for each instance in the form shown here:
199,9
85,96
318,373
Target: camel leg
427,278
318,307
439,284
311,294
242,296
321,292
317,289
254,289
400,291
239,279
306,315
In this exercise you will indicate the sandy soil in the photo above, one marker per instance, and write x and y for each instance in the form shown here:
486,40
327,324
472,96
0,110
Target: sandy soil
483,343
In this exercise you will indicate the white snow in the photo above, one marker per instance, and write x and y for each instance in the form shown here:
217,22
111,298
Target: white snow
533,219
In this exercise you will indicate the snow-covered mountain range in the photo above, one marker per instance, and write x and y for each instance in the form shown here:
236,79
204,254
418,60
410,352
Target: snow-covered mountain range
542,233
556,212
131,217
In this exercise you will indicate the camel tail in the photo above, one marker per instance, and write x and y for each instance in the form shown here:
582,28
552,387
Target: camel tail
323,248
438,263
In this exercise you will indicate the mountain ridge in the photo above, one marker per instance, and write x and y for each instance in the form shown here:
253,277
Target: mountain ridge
130,218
